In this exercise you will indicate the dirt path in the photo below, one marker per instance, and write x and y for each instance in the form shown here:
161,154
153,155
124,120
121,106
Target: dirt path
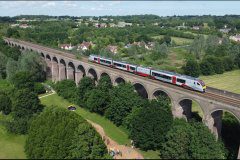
127,152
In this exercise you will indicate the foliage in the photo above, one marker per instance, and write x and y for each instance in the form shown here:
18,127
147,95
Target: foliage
3,63
11,69
99,97
159,51
36,63
39,88
191,141
198,46
206,68
5,103
25,105
67,89
12,32
149,124
85,85
22,80
63,135
192,68
122,100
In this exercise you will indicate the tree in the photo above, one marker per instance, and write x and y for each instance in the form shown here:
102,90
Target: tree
149,125
167,39
197,46
5,103
159,51
3,63
36,63
99,98
25,105
217,64
206,68
122,100
191,141
11,69
12,32
192,68
86,84
67,89
22,80
228,63
58,133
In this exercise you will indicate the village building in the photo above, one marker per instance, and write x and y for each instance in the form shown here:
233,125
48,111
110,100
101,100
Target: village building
85,46
112,49
235,38
66,46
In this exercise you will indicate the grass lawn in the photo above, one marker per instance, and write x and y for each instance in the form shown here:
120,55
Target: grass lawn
116,133
178,40
229,81
11,146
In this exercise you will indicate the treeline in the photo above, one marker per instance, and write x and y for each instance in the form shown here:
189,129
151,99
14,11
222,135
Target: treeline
212,56
149,122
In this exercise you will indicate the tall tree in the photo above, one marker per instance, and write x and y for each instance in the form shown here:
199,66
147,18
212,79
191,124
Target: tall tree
58,133
5,103
192,68
191,141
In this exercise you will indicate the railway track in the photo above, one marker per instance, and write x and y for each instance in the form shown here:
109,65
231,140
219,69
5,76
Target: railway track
209,94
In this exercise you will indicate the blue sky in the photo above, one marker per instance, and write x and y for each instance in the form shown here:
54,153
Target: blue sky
100,8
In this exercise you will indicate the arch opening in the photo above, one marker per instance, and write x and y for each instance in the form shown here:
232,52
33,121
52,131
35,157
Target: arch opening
104,74
140,89
42,55
82,70
191,110
71,71
93,74
227,127
119,80
48,57
162,94
62,70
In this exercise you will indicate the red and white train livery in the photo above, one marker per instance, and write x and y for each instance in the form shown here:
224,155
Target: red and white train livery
165,76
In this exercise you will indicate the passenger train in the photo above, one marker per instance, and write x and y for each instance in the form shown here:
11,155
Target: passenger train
165,76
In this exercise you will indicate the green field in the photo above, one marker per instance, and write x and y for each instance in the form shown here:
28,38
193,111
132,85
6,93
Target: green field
115,133
11,146
178,40
229,81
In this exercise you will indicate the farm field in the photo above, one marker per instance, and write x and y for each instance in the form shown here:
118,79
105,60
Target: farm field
178,40
12,146
115,133
228,81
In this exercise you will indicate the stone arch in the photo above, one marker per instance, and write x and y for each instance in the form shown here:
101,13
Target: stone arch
119,80
161,92
228,131
42,55
62,69
23,48
140,89
55,69
186,104
81,69
92,73
71,71
48,57
105,74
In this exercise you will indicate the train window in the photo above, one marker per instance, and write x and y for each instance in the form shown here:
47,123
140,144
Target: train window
108,62
101,60
156,74
132,68
165,77
181,80
198,84
124,66
95,59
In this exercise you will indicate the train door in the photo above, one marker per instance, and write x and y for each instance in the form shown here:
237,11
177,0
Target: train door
174,80
98,60
127,67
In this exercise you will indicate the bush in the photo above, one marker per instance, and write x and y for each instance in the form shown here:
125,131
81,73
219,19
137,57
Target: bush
192,68
5,103
206,68
39,88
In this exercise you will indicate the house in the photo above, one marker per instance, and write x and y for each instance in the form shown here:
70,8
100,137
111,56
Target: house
100,25
225,30
24,26
84,46
195,27
112,25
150,45
14,25
235,38
112,49
66,46
123,24
104,19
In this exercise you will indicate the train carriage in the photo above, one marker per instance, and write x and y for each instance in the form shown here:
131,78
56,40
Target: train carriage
165,76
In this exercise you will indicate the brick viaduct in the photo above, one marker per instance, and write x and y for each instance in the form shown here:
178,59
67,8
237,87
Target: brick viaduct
62,65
